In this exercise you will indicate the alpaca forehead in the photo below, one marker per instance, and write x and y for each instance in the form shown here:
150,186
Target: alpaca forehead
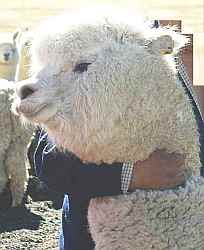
81,37
93,19
63,50
72,44
72,41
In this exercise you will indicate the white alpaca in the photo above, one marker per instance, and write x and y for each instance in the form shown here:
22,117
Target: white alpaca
9,55
13,163
12,146
103,90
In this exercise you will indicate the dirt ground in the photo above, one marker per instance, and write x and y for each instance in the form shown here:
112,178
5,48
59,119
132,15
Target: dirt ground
33,227
36,224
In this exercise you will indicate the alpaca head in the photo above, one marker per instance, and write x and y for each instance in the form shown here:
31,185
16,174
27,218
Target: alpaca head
8,50
84,74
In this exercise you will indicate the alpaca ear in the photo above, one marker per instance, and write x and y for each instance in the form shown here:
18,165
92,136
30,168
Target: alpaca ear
166,41
16,37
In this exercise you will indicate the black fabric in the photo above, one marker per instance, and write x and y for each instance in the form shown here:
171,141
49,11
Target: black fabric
198,120
65,173
75,233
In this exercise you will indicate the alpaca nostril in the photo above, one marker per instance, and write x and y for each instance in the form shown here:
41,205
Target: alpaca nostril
26,91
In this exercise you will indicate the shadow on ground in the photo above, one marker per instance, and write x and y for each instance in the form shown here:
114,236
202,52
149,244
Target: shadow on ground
12,219
18,218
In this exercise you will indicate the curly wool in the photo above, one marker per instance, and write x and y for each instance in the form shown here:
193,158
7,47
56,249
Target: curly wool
146,220
128,103
14,139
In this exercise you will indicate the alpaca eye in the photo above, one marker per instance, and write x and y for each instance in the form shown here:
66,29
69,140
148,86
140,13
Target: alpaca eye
81,67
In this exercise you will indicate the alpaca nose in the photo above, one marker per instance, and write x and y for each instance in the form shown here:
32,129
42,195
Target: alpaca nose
25,90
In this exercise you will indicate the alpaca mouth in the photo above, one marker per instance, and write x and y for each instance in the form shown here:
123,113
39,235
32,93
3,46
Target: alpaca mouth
34,112
31,112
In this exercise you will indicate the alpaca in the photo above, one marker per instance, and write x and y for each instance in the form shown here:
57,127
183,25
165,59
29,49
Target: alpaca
14,138
104,90
23,65
13,162
9,55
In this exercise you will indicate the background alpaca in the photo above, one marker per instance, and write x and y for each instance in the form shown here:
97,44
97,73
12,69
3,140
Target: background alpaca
103,84
13,162
9,55
12,147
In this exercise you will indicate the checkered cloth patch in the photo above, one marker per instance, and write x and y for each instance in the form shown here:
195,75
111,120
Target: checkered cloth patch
126,176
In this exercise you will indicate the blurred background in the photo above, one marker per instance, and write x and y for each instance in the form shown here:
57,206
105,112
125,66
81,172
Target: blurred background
18,13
